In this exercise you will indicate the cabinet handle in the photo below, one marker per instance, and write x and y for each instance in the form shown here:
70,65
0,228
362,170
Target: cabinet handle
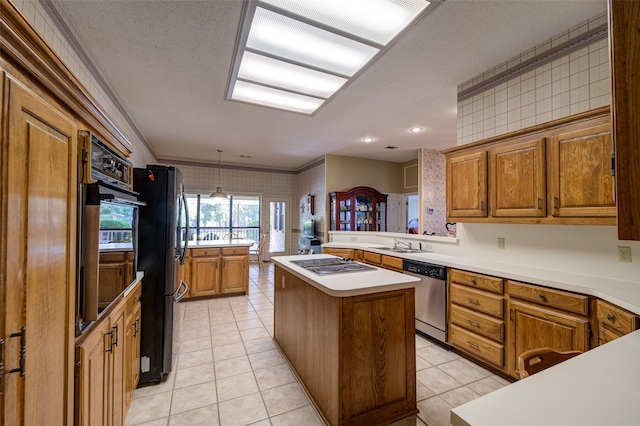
541,296
473,280
481,205
555,203
115,327
135,328
539,203
22,334
1,363
473,345
610,317
473,323
110,333
474,301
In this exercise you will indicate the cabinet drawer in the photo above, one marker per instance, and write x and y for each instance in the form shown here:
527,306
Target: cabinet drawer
570,302
482,282
477,323
477,346
480,301
392,262
133,298
130,255
228,251
616,318
118,256
200,252
370,257
340,252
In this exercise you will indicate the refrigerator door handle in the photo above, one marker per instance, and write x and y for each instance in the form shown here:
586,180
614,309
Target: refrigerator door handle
186,216
181,295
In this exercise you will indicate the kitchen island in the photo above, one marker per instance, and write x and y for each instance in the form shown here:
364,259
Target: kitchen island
350,339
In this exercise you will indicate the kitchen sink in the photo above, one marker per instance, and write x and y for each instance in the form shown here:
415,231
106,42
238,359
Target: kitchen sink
399,249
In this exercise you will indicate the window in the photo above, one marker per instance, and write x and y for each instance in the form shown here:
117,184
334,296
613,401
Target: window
215,218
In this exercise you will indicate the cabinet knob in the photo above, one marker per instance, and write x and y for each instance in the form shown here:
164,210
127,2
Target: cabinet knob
610,317
541,296
473,280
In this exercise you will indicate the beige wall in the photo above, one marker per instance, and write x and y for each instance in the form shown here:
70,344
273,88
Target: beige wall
347,172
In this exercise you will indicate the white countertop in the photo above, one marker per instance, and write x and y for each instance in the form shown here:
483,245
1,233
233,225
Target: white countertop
220,243
349,283
115,247
599,387
625,294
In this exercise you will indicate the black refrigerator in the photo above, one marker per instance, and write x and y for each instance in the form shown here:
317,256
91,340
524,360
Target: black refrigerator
161,253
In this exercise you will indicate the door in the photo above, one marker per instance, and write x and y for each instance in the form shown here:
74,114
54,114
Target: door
276,223
38,224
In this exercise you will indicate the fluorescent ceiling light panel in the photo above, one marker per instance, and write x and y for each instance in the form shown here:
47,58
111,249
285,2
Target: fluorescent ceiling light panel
376,20
296,41
266,96
297,54
272,72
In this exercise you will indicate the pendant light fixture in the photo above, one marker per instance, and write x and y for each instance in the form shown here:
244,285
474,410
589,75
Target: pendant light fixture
219,193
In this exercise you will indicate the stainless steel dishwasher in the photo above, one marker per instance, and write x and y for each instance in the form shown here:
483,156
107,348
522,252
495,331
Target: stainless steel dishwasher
431,298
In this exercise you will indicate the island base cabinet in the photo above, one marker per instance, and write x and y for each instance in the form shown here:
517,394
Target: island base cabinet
355,356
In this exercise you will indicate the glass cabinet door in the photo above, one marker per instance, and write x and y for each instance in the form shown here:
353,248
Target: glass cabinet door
381,219
363,212
345,215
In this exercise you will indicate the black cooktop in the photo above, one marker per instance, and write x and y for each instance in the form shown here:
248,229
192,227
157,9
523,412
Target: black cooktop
326,266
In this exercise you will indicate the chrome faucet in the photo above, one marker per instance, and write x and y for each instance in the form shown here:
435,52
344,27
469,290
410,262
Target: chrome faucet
396,243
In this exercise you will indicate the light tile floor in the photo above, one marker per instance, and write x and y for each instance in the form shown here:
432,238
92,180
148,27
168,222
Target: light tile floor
229,372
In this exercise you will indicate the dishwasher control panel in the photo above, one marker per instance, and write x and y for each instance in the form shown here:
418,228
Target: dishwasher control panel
421,268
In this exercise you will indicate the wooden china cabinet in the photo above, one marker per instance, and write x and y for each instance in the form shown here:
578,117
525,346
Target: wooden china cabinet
358,209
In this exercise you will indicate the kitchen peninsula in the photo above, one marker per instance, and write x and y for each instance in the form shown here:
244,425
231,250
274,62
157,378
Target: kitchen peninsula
217,267
350,339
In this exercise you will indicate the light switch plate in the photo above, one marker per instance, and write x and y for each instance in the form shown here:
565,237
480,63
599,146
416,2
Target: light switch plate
500,243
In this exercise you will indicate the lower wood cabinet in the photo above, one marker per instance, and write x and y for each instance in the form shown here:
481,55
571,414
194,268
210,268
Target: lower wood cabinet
217,271
340,252
533,326
107,360
116,273
614,322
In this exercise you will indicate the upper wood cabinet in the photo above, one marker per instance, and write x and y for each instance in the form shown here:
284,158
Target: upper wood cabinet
557,173
580,181
624,43
517,179
467,185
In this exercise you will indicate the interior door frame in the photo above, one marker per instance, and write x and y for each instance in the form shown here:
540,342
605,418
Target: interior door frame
265,212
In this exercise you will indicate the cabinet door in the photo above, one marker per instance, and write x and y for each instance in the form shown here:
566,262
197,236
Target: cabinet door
132,356
37,257
118,370
518,180
92,383
205,276
533,327
467,185
112,277
580,173
235,274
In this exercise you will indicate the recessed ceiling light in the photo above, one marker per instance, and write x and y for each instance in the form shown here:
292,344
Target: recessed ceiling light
415,129
367,139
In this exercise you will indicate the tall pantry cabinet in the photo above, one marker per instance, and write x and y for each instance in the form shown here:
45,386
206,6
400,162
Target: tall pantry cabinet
38,232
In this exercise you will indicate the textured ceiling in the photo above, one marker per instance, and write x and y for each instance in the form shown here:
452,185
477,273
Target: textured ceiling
168,63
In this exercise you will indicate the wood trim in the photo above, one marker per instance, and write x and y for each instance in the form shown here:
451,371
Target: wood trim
530,131
20,43
624,47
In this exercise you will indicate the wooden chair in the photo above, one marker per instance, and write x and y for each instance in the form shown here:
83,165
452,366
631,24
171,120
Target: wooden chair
259,249
535,360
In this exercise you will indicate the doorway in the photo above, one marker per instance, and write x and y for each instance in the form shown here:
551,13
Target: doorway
411,221
276,223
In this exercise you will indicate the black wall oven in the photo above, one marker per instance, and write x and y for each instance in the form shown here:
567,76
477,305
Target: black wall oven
108,232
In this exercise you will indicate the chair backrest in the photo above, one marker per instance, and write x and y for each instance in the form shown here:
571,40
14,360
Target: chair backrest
263,238
535,360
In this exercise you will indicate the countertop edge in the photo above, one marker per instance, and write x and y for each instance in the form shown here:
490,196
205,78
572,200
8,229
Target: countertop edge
404,281
625,294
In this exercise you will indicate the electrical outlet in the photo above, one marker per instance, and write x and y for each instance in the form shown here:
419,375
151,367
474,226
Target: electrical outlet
426,246
624,254
354,239
501,243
